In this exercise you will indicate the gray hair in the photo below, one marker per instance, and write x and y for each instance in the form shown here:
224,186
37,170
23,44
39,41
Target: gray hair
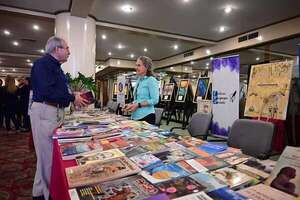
147,62
52,43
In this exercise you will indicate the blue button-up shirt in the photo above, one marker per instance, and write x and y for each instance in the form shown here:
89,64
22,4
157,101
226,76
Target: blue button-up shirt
49,83
146,90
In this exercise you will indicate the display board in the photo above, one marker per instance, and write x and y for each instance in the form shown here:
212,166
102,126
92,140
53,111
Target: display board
225,94
182,90
121,90
268,90
202,89
115,91
167,92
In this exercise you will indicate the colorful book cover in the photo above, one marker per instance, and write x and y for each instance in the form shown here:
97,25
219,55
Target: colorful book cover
212,148
174,145
187,167
210,182
226,194
69,151
195,196
237,159
164,172
133,151
100,171
70,132
286,174
175,155
211,163
133,188
233,178
180,187
228,153
99,155
146,160
265,192
199,152
155,147
191,141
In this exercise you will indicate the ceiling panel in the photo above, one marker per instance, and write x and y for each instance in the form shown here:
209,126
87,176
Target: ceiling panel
284,47
197,18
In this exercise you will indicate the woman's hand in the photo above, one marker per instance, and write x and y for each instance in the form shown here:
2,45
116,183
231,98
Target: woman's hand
130,107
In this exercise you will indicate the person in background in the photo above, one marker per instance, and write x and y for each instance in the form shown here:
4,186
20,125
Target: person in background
145,94
23,94
51,95
1,104
10,103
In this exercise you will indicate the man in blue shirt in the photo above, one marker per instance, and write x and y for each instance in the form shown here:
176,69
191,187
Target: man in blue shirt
50,95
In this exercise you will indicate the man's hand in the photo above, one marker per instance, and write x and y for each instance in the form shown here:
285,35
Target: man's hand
130,107
80,101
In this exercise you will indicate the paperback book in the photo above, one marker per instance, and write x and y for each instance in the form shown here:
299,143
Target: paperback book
212,148
210,182
175,155
133,151
70,151
146,160
226,194
236,159
211,163
191,166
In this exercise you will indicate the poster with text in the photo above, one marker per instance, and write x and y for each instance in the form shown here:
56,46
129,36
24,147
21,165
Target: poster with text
121,90
225,94
268,90
202,89
182,90
167,92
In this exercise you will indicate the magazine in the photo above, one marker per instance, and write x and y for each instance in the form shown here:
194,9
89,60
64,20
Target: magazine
146,160
210,182
236,159
226,194
70,151
175,155
191,166
211,163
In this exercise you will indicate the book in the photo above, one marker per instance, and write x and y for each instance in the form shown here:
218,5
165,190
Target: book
233,178
196,196
155,147
199,152
210,182
133,150
71,132
191,141
163,172
133,187
228,153
98,155
100,171
146,160
212,148
211,163
226,194
236,159
286,174
191,166
260,169
175,155
88,96
180,187
265,192
70,151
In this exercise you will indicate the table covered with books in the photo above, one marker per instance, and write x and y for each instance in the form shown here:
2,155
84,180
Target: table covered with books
97,155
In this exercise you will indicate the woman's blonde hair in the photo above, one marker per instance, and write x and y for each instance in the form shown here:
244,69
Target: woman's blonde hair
10,84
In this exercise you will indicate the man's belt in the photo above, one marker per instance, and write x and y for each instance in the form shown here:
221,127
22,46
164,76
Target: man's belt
53,104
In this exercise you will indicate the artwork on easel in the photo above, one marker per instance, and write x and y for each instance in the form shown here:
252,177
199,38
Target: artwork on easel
268,90
115,91
167,92
202,89
182,90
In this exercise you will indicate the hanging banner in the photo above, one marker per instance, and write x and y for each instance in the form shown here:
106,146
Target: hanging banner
268,90
121,90
225,94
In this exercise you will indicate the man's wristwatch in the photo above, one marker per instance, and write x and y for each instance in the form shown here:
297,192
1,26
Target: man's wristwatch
139,105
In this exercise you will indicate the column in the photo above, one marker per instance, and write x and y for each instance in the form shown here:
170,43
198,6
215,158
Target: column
80,34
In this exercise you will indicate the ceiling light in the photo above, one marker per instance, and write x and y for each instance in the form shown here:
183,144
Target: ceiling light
175,47
245,81
221,29
6,32
192,62
211,58
118,62
172,68
259,38
13,70
36,27
134,72
179,76
185,1
207,51
31,64
228,9
145,49
28,60
120,46
194,76
3,70
207,64
109,53
15,43
42,51
206,67
132,55
258,58
103,37
127,8
185,68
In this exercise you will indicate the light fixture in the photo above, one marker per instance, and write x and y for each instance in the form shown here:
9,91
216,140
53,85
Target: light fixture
6,32
118,62
172,68
179,76
207,64
207,51
36,27
192,62
145,49
175,46
42,51
15,43
3,70
13,70
194,76
258,58
103,36
211,58
228,9
132,55
259,38
109,53
221,29
185,1
127,8
206,67
30,64
120,46
185,69
28,60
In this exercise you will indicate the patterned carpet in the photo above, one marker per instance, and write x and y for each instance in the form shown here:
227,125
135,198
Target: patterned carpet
17,166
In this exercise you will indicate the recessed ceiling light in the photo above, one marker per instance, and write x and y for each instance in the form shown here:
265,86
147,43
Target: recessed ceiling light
211,58
194,76
28,60
192,62
42,50
31,64
15,43
103,36
127,8
228,9
36,27
207,64
118,62
172,68
185,68
120,46
109,53
3,70
221,29
179,76
259,38
185,1
258,58
145,49
132,55
206,67
13,70
175,46
134,72
6,32
207,51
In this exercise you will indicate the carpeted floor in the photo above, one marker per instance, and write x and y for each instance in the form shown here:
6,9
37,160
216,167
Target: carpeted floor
17,166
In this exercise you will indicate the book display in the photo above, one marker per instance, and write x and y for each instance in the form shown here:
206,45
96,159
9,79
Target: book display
182,90
124,159
167,92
